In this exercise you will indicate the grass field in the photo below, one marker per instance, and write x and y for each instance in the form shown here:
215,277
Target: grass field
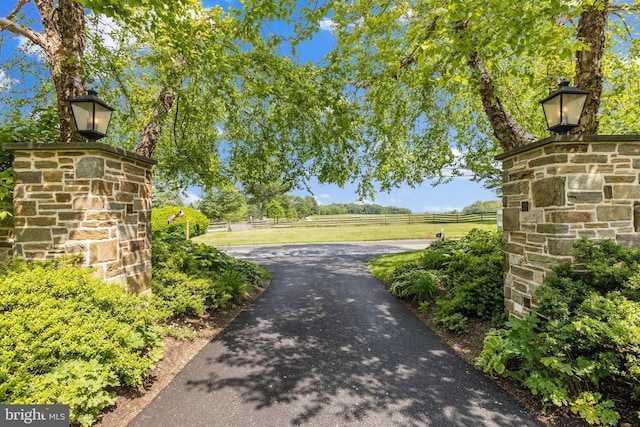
382,266
337,234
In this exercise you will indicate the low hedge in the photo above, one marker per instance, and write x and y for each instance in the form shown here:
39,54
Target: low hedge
581,349
191,278
198,222
68,338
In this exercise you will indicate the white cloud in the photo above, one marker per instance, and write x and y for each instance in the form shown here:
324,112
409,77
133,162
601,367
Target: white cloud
327,24
28,47
105,28
5,80
440,209
407,17
323,196
357,23
191,199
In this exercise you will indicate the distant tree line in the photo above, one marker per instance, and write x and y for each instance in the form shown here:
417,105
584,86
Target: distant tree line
360,209
478,207
269,201
234,205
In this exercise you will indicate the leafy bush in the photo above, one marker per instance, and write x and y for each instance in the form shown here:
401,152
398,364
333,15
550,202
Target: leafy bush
416,285
198,222
587,348
438,254
455,323
473,276
67,338
470,270
191,278
474,286
403,269
180,293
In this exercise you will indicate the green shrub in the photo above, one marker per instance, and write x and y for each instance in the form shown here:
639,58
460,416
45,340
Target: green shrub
606,266
455,323
469,269
403,269
83,385
587,348
180,293
415,285
198,222
438,254
67,338
191,278
473,277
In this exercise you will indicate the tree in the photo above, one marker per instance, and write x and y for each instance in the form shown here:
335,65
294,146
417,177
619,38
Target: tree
185,78
261,194
441,87
312,203
301,206
220,203
452,84
165,195
62,41
479,207
412,90
274,210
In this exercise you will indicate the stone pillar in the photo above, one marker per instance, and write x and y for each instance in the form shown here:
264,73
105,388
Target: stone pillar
85,198
557,190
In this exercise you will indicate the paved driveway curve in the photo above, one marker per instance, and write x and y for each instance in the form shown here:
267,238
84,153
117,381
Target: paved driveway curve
327,345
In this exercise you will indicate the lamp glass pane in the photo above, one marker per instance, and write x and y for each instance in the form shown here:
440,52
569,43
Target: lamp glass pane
82,113
103,116
552,111
572,105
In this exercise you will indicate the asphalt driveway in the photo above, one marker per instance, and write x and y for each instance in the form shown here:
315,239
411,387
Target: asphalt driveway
327,345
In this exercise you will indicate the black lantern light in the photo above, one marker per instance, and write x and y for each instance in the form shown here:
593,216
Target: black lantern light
563,108
91,115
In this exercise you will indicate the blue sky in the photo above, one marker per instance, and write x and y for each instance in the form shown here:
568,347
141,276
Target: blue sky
457,194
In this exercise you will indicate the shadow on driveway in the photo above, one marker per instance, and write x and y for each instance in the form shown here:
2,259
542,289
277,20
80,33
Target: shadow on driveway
327,345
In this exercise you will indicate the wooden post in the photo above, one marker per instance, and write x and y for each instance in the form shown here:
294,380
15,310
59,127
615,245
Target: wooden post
187,230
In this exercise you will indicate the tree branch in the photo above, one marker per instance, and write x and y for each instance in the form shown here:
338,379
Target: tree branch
35,37
507,131
405,62
19,5
166,99
411,58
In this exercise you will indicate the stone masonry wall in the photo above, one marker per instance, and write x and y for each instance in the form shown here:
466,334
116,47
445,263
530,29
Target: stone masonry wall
557,190
86,198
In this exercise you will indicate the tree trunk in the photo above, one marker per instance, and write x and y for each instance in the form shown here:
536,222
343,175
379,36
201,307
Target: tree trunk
166,99
63,44
153,129
64,29
506,130
589,75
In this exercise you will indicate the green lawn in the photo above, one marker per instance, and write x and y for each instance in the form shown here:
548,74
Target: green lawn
382,266
337,234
